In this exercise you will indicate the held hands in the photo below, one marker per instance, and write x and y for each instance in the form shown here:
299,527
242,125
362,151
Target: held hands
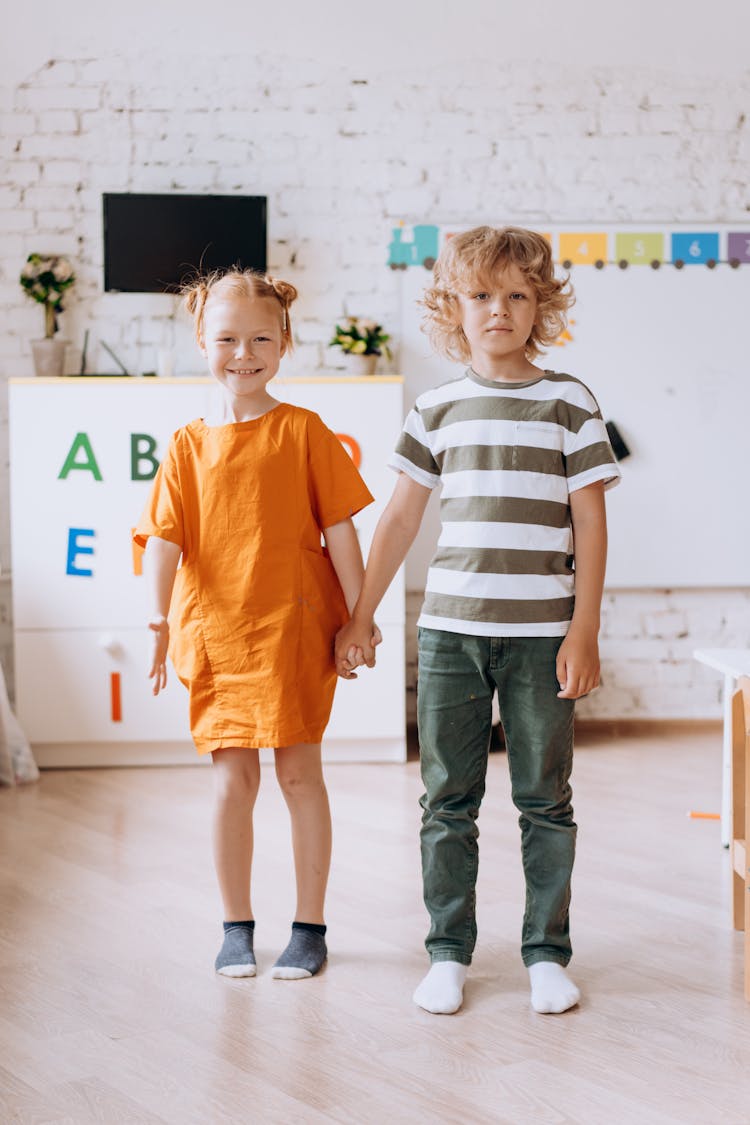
355,645
577,664
158,671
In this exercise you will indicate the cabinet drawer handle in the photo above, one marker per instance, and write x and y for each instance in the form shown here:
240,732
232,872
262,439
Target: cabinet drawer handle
110,645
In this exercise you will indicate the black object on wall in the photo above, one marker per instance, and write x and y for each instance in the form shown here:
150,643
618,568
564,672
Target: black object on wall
152,243
617,441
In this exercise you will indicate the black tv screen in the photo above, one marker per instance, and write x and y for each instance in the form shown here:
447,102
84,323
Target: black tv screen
152,243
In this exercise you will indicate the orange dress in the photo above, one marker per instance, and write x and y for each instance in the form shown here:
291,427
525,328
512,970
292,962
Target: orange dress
256,602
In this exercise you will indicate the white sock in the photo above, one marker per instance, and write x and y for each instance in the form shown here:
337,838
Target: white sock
552,990
442,990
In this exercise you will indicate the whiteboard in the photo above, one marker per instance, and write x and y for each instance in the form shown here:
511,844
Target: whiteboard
665,352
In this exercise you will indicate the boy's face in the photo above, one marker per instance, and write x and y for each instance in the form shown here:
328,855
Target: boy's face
498,318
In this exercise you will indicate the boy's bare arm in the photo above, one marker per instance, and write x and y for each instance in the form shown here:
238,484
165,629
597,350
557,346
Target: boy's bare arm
393,537
160,567
578,657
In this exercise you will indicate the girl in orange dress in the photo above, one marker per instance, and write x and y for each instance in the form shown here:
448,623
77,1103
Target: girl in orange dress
250,616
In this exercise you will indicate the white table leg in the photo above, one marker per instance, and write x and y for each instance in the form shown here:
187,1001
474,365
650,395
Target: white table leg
726,764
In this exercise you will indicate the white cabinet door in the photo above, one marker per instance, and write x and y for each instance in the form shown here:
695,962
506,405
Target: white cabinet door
76,497
91,685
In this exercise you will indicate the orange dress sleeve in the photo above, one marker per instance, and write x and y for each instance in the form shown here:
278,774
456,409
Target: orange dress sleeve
163,514
337,491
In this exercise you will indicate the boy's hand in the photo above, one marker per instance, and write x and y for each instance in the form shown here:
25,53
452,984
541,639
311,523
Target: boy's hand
354,659
355,645
577,665
158,671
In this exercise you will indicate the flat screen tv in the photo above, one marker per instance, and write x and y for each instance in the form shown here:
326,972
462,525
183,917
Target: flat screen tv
152,243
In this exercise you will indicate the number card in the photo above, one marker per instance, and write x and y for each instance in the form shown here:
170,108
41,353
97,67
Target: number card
738,246
583,249
639,249
695,249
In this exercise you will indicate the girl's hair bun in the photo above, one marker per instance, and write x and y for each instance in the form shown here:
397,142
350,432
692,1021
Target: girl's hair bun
284,290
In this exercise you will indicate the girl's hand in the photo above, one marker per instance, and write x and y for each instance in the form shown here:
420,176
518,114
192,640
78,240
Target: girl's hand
158,671
354,647
577,665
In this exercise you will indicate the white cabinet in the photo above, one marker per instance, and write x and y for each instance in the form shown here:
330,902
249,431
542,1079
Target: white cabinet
83,453
90,685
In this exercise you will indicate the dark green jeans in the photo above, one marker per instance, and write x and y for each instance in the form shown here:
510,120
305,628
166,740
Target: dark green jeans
457,678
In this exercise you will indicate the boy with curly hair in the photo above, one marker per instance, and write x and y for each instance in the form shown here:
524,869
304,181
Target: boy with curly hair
513,593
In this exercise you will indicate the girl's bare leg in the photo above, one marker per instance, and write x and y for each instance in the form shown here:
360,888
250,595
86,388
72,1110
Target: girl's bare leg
300,775
237,779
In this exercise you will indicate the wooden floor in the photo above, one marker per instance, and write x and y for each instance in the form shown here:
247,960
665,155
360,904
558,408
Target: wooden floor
110,1010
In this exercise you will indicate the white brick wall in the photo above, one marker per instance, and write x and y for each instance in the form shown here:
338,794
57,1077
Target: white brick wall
341,160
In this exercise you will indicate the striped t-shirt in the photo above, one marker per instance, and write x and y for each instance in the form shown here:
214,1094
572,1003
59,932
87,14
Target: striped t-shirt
507,455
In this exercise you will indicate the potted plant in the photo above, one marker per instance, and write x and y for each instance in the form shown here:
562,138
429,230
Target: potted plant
45,278
361,340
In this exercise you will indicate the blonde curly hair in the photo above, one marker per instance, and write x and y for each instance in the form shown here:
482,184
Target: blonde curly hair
235,282
474,258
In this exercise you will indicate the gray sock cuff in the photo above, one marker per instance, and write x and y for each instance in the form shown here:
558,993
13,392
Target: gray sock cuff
311,927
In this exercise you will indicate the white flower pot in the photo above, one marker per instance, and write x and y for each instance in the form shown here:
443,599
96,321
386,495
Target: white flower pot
49,356
360,364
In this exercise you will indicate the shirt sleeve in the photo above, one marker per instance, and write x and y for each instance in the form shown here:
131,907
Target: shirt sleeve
588,454
413,455
337,491
163,513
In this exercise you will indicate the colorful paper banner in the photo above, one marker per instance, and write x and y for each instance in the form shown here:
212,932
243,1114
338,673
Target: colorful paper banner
639,248
738,246
695,249
583,248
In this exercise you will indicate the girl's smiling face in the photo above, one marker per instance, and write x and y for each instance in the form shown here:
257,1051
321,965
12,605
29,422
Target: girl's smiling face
243,342
497,320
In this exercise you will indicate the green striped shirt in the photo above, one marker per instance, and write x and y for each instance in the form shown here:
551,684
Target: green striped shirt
507,455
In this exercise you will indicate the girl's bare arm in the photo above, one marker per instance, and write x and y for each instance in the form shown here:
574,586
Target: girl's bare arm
160,567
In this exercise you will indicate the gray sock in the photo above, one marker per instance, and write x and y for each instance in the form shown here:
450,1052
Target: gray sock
305,954
236,957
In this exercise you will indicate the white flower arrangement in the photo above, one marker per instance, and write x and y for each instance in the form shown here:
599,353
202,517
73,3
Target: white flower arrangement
45,277
358,335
